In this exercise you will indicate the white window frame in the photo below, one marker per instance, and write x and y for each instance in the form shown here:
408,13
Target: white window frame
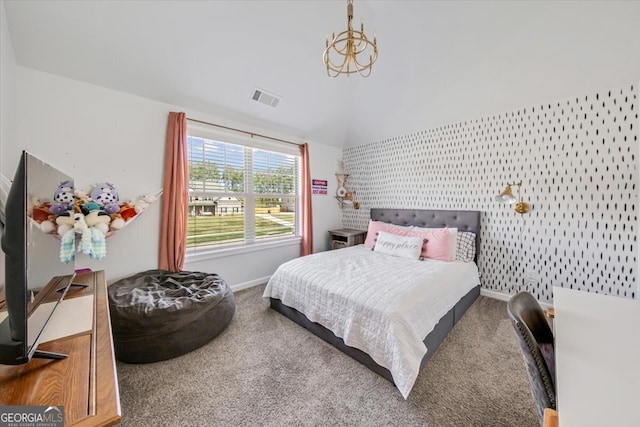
194,254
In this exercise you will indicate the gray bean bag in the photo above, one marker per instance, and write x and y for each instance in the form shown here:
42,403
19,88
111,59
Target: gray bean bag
157,315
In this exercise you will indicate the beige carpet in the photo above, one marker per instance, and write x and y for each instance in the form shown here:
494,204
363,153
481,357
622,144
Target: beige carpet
265,370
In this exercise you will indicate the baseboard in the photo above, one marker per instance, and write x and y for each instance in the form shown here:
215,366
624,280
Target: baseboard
495,294
250,284
506,297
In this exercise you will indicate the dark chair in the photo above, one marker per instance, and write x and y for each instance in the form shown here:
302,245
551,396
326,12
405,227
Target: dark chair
536,341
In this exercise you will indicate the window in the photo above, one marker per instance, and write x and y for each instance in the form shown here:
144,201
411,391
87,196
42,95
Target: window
240,192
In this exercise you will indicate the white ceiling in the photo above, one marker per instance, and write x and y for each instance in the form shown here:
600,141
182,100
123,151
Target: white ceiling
439,61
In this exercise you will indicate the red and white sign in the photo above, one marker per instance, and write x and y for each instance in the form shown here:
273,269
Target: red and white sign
319,186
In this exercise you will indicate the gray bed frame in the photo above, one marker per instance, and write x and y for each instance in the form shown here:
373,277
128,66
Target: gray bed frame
464,221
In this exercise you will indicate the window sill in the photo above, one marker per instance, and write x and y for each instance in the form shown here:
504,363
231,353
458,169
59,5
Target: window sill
196,255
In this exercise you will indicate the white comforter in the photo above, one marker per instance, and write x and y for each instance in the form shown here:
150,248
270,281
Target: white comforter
380,304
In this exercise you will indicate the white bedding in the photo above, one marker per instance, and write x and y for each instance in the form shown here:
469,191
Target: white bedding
380,304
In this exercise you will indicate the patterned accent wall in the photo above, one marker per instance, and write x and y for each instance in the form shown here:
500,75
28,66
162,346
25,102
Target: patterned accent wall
577,160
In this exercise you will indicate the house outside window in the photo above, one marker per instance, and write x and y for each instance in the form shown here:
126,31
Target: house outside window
241,192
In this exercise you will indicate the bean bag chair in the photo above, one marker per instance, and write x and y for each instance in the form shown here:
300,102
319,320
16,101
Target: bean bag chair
157,315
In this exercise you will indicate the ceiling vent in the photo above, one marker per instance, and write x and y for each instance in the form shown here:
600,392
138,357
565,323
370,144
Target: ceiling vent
267,98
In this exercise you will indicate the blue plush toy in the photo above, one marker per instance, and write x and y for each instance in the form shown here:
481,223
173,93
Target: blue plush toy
105,195
62,198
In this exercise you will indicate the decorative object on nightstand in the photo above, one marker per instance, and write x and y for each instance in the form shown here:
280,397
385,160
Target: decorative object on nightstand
507,197
346,237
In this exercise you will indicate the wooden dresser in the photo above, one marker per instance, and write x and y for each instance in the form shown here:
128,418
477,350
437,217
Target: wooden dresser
85,382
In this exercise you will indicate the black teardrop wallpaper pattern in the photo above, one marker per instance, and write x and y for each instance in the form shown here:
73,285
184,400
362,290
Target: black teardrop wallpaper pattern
578,163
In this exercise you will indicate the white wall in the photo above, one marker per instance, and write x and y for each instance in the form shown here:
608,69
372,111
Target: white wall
471,59
7,71
96,134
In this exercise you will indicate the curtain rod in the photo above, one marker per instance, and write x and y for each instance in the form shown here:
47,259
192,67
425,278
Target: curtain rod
244,131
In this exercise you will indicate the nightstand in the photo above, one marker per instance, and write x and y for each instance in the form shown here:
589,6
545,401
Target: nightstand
346,237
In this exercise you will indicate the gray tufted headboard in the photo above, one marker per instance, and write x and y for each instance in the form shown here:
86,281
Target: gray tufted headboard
462,220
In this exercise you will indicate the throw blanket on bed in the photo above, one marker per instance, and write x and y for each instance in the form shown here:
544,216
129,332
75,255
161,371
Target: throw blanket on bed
380,304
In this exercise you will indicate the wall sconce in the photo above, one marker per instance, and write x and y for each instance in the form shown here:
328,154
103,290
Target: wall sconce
507,197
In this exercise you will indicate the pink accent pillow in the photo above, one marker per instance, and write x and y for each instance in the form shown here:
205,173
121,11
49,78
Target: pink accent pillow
376,226
438,244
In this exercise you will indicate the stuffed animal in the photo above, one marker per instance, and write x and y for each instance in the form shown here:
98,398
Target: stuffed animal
142,204
127,211
47,227
89,207
117,222
92,239
65,222
70,223
106,196
40,211
81,197
149,198
79,223
62,198
97,219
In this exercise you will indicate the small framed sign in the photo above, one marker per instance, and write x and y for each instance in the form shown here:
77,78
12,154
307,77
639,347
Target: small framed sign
319,186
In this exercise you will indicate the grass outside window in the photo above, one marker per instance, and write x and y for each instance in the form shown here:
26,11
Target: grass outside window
209,230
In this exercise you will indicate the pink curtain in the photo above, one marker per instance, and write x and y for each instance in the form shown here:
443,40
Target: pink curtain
173,230
306,217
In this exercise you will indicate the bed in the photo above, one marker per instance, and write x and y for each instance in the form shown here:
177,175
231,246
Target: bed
388,313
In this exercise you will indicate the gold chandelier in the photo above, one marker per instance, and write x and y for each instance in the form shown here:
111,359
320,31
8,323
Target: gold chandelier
350,51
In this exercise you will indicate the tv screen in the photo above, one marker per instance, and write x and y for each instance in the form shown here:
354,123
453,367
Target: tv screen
31,262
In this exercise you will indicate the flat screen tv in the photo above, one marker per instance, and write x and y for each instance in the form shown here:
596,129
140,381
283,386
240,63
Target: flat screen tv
32,264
